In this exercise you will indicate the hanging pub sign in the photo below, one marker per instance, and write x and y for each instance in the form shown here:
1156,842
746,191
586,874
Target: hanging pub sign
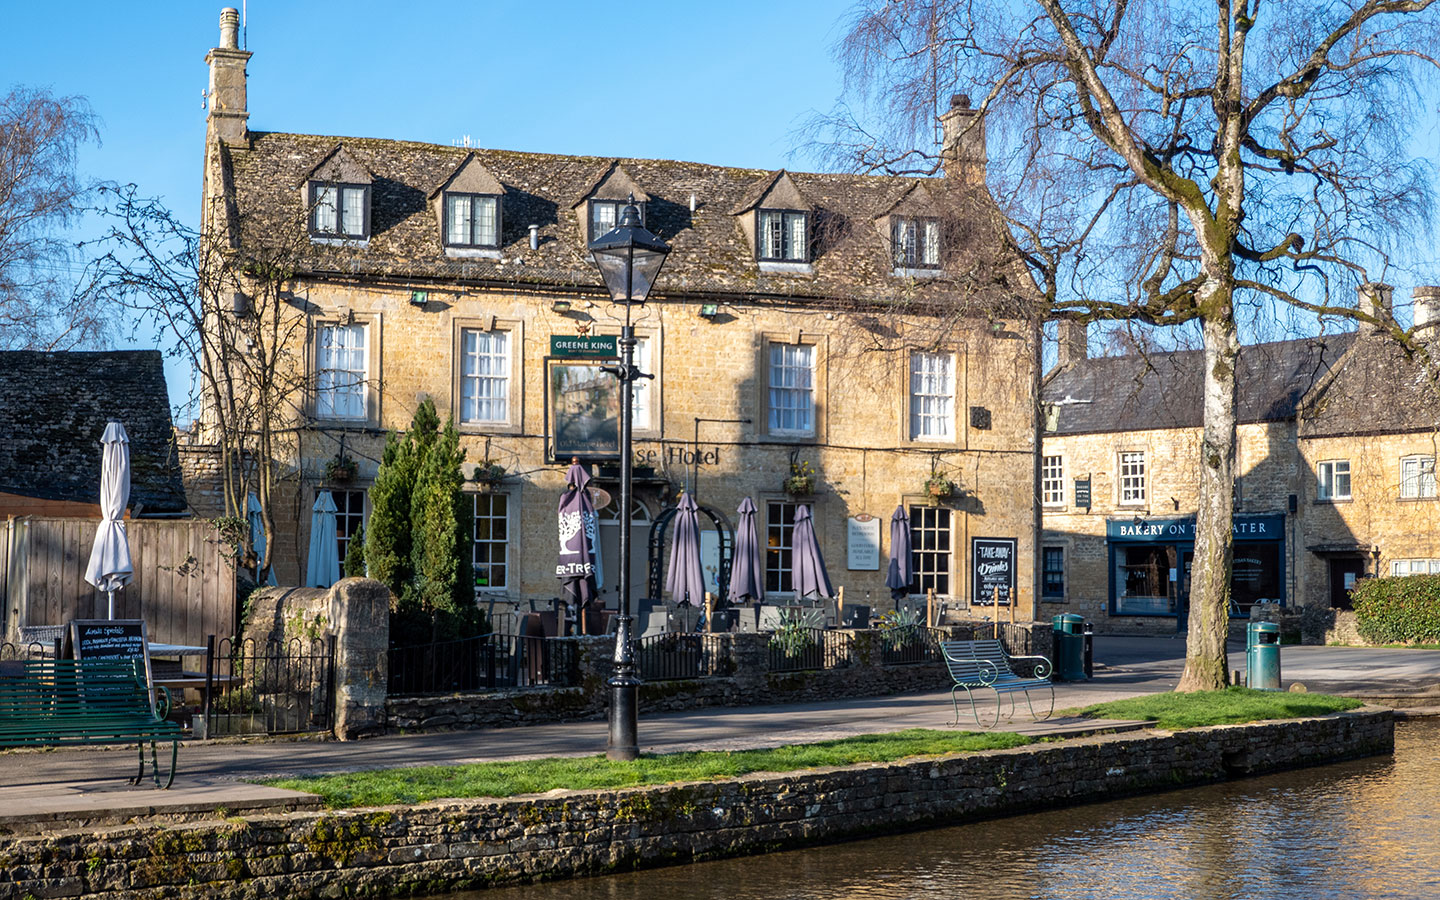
992,567
1082,493
584,346
582,409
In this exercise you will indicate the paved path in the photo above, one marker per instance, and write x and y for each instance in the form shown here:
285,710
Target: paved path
211,773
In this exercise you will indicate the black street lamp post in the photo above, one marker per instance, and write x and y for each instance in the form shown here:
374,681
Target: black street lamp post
629,258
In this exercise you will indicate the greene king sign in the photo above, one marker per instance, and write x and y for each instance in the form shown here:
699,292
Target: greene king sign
584,347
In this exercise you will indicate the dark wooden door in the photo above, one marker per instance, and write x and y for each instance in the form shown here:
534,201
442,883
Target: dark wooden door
1344,570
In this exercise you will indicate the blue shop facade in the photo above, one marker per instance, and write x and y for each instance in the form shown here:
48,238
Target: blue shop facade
1150,562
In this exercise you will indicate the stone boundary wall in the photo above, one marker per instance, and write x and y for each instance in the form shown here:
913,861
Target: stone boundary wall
444,846
744,655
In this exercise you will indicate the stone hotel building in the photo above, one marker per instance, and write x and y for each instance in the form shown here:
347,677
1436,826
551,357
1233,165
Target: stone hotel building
855,326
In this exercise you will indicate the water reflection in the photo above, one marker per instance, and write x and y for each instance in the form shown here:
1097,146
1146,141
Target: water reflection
1367,829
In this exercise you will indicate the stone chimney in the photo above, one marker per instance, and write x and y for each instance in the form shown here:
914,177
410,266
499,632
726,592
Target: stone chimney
228,114
1376,299
962,151
1074,342
1427,311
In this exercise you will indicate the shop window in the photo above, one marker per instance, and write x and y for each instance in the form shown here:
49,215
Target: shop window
1417,477
1052,481
484,376
491,546
932,396
1132,477
1143,580
1052,583
349,519
930,554
1255,574
341,372
1333,480
779,539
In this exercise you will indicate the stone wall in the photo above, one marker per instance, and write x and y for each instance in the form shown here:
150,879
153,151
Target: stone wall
751,682
454,845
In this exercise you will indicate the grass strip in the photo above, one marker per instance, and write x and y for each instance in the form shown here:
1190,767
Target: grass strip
1231,706
387,787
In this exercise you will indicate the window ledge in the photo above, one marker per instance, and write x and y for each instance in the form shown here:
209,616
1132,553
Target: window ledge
472,253
900,272
786,268
339,241
487,427
1333,501
1429,499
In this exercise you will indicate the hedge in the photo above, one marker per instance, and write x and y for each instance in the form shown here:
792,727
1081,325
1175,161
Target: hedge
1398,610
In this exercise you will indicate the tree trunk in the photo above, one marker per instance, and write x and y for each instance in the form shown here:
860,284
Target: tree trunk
1205,660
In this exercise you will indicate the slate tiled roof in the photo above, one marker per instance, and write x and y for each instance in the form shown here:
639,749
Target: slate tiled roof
1378,388
53,409
1138,392
710,253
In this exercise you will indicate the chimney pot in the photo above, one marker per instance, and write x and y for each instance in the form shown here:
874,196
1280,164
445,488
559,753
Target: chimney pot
230,28
1375,298
1427,310
962,151
1073,341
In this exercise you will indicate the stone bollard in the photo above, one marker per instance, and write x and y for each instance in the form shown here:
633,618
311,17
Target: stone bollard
360,613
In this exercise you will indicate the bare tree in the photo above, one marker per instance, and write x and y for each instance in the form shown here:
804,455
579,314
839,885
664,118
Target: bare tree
40,196
232,318
1170,162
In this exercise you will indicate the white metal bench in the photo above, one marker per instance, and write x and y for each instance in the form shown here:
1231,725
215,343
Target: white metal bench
976,665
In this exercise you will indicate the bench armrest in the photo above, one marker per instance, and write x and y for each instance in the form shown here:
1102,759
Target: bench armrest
1042,667
163,702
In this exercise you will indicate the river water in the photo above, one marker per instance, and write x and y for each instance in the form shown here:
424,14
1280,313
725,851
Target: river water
1365,829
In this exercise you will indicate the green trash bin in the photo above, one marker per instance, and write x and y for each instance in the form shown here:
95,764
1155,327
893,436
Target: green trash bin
1069,647
1262,656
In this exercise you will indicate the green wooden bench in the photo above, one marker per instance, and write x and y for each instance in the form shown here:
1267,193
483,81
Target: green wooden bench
977,665
70,702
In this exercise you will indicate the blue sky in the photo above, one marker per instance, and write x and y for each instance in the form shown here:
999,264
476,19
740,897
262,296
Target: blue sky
724,83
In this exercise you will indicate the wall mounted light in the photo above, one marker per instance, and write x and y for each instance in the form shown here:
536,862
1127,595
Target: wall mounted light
419,298
709,310
561,306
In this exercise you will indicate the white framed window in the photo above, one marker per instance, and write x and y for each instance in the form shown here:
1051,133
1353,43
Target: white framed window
1333,480
341,372
916,243
930,550
1132,477
932,397
779,541
472,220
605,215
1402,568
643,388
491,541
1052,481
339,210
484,377
792,389
1417,477
782,236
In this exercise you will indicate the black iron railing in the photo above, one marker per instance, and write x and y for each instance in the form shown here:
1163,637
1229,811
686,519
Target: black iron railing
486,662
669,657
794,649
908,645
275,687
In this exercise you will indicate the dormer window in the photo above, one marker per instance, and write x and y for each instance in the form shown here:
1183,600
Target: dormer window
916,243
782,236
339,210
472,220
605,215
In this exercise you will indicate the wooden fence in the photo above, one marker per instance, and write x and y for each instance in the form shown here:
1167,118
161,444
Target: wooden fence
184,584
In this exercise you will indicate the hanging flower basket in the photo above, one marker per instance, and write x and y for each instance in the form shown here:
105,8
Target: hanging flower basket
488,474
939,487
341,469
800,485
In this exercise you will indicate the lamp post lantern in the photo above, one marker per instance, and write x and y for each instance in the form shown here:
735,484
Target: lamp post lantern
629,259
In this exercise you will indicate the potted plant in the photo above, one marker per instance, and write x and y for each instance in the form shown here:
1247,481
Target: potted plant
938,486
340,469
801,482
488,473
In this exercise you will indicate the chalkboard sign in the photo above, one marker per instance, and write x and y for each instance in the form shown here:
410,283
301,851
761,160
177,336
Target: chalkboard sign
112,639
992,565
